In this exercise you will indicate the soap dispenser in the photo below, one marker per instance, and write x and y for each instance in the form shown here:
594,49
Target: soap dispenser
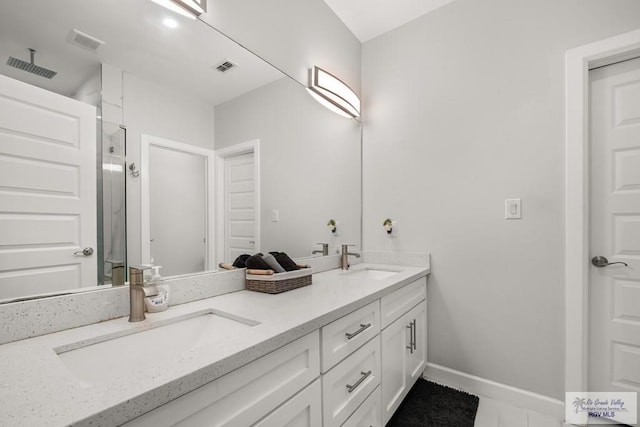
159,301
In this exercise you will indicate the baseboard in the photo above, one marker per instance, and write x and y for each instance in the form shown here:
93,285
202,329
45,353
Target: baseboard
494,390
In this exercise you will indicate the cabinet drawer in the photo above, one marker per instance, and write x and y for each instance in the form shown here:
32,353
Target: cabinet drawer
302,410
348,384
397,303
347,334
247,394
368,414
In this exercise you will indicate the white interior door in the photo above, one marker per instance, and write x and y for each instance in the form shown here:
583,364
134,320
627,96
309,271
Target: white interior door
240,204
47,191
614,291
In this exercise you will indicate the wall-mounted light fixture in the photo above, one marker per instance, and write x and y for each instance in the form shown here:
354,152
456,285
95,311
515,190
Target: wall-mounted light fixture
189,8
333,93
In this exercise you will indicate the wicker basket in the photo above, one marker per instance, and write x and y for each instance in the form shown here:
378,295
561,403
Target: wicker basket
280,282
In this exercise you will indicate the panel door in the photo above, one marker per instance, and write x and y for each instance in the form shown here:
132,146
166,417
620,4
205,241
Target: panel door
240,206
47,191
614,307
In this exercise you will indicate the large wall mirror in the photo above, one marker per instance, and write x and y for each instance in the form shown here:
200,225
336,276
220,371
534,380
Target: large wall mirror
203,150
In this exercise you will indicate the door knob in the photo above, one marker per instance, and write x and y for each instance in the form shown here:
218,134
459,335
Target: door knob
84,252
600,261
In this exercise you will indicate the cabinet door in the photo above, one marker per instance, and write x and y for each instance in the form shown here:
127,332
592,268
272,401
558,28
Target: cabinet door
395,342
302,410
404,357
418,359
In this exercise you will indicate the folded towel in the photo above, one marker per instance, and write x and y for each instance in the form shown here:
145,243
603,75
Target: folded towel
257,263
241,261
273,263
284,260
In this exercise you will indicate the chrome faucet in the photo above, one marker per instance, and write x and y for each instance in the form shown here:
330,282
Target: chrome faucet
344,259
136,294
324,251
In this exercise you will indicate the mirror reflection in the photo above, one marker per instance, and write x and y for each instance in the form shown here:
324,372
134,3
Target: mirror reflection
194,165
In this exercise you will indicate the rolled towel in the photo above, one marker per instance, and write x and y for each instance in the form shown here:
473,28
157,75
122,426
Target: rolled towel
257,263
260,272
284,260
273,263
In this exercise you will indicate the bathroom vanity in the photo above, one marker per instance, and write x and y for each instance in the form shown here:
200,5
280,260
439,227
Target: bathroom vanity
343,351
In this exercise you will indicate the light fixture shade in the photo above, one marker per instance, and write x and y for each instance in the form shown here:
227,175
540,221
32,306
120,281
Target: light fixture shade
189,8
333,93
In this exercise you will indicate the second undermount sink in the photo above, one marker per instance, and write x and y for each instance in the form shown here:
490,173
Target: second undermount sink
118,355
369,273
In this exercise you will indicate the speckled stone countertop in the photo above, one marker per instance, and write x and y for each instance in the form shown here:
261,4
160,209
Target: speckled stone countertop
37,389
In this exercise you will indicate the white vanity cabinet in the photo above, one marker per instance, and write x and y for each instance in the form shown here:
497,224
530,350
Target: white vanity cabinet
246,395
352,372
404,343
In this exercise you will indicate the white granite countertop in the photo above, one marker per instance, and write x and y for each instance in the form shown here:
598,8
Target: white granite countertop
37,389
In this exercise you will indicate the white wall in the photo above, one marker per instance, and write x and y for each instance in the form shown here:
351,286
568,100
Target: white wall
293,35
155,110
310,165
464,108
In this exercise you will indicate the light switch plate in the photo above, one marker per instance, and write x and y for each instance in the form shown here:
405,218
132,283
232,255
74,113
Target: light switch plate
512,209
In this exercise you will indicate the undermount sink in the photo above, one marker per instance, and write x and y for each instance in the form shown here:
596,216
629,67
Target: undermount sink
371,273
117,355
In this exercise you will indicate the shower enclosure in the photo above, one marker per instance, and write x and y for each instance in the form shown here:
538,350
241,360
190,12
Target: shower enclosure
112,228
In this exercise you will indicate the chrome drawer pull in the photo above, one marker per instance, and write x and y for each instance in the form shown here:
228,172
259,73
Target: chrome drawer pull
364,376
359,331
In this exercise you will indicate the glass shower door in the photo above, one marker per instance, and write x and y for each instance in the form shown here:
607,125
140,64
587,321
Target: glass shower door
113,258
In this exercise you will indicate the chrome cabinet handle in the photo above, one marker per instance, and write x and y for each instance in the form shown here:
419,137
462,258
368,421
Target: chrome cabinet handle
358,332
600,262
84,252
414,333
410,327
364,376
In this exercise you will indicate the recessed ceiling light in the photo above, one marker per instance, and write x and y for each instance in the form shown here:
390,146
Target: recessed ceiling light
171,23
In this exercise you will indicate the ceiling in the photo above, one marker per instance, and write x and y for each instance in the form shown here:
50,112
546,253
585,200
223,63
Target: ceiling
370,18
136,41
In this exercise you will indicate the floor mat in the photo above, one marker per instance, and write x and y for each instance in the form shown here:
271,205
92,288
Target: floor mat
432,405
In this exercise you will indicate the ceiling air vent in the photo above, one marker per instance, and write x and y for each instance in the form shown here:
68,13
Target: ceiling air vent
225,66
84,41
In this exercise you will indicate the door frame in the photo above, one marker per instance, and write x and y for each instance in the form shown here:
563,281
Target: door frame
146,141
252,146
578,62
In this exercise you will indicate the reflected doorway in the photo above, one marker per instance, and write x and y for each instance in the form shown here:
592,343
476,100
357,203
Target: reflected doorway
175,221
238,207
